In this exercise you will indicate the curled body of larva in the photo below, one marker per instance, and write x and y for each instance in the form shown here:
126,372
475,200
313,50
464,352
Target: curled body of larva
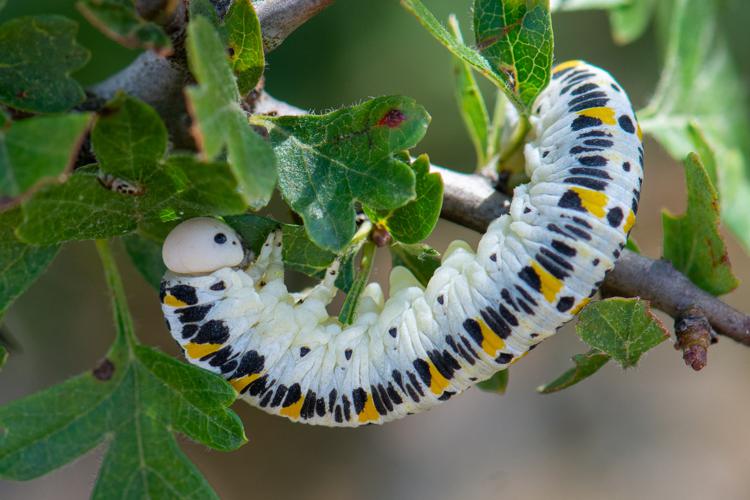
533,270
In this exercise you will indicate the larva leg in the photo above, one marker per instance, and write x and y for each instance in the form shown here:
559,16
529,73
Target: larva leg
275,269
258,268
325,291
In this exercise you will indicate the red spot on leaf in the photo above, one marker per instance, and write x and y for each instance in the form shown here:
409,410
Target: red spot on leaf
392,119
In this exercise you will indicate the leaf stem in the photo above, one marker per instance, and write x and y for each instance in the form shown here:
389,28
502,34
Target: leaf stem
517,139
346,316
123,319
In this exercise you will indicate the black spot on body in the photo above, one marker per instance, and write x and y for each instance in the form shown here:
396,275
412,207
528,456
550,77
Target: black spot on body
593,161
212,332
531,278
217,287
592,103
188,331
571,201
626,166
563,248
303,351
504,358
583,121
292,395
348,354
193,314
565,303
587,182
423,369
626,124
614,217
359,398
393,332
184,293
279,396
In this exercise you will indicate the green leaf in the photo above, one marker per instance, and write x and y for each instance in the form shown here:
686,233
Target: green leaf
120,21
134,399
497,383
692,242
585,365
568,5
632,245
298,252
700,83
219,120
629,21
415,221
129,138
3,350
470,102
20,264
145,254
37,150
463,52
346,315
326,162
622,328
421,260
515,36
37,56
134,185
245,44
83,209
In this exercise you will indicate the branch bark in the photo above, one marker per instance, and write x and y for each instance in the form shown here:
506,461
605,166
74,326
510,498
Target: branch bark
470,200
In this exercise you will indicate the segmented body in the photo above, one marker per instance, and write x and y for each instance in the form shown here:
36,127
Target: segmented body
533,270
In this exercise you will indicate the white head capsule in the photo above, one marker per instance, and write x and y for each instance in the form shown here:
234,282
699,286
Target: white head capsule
201,246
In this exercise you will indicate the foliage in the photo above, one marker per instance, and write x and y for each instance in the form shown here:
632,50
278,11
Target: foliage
135,398
119,20
73,168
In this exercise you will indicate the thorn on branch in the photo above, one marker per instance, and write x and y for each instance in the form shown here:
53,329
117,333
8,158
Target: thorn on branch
694,335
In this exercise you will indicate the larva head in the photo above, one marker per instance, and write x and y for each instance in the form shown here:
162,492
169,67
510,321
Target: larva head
201,246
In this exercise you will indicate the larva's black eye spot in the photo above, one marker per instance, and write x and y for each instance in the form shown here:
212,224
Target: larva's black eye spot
220,238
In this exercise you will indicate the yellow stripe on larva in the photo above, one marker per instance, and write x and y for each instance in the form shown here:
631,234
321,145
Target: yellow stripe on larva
294,410
593,201
368,413
550,285
438,383
196,351
173,301
605,114
629,222
566,65
639,131
577,308
491,342
242,382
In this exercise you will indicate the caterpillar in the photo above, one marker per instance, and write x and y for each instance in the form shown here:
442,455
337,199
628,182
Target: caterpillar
534,269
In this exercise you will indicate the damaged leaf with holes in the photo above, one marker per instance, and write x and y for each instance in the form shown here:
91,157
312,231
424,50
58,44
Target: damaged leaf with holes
515,36
132,185
134,399
624,329
692,242
327,162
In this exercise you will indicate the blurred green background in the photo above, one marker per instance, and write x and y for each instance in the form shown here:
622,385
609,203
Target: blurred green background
657,431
